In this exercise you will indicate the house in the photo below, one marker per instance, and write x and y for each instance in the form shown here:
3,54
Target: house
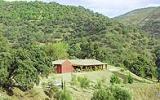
77,65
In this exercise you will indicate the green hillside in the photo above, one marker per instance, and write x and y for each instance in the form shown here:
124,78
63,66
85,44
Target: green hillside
32,34
147,18
50,22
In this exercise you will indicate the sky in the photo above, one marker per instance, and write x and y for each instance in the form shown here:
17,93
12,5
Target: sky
110,8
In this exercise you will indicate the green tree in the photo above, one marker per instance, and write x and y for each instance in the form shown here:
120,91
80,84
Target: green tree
4,44
140,66
5,61
57,50
41,61
26,75
158,64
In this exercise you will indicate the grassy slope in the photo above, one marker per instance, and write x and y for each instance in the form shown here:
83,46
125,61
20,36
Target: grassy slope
145,91
141,89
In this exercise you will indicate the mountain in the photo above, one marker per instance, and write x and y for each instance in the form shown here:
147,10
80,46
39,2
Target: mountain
146,18
87,34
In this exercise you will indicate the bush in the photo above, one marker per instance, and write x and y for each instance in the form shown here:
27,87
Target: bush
130,79
64,95
102,94
115,80
100,83
74,80
55,93
50,90
84,82
120,93
122,69
112,93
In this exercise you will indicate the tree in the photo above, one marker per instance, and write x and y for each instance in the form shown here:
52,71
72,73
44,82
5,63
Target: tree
22,73
22,67
5,61
26,76
41,61
57,50
4,44
140,66
158,64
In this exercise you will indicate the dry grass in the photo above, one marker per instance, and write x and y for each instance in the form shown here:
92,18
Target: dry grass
145,91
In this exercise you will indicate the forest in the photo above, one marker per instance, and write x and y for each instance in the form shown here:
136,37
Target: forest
32,34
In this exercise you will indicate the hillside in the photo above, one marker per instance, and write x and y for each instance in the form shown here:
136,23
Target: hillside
50,22
33,34
147,18
139,86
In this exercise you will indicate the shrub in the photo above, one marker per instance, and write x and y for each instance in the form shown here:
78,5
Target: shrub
74,80
115,80
112,93
98,85
50,89
130,79
122,69
120,93
102,94
84,82
55,93
64,95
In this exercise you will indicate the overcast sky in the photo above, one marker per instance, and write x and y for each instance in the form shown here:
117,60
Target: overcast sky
110,8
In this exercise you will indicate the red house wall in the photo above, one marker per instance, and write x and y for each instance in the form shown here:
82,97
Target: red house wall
67,67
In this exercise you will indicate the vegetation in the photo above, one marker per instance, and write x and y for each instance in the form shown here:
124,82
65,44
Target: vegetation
112,93
141,67
130,79
146,18
55,93
115,80
74,80
20,67
51,90
32,34
57,50
158,64
83,82
64,95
